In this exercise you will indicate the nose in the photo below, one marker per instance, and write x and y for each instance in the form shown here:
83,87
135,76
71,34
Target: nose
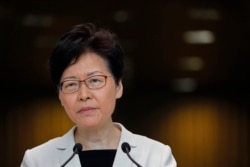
84,92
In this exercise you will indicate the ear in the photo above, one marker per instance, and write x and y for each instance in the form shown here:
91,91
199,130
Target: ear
119,90
60,98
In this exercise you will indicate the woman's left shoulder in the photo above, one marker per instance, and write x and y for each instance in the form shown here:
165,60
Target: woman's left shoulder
149,142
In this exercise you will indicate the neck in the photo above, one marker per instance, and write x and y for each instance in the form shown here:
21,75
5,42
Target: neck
106,137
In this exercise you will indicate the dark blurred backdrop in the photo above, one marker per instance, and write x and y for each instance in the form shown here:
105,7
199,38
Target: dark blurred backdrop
186,79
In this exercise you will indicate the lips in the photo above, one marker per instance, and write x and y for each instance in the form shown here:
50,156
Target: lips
87,110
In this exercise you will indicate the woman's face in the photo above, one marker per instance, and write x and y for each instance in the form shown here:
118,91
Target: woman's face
90,108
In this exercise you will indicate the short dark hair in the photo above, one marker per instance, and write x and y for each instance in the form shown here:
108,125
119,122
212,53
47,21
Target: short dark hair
83,38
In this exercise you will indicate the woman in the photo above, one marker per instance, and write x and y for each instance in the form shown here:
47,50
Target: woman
87,65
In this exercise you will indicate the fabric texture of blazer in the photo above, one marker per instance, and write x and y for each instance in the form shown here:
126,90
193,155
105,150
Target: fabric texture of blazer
147,152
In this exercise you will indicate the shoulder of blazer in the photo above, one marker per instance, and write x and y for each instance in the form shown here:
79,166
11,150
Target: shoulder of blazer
60,143
140,141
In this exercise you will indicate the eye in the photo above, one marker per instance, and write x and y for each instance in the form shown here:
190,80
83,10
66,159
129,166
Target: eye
70,85
95,81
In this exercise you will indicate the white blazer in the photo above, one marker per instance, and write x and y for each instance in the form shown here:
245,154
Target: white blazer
145,151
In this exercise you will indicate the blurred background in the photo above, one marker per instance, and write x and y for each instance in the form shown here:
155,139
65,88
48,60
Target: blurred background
186,80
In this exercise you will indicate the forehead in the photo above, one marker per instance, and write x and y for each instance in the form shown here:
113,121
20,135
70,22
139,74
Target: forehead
85,65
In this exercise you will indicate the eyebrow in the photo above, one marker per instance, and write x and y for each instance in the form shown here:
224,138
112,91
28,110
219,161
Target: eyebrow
94,72
88,75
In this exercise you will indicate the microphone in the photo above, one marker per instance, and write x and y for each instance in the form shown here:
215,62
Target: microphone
76,149
126,149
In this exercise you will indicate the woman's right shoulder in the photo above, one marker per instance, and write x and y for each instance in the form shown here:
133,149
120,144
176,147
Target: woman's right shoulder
56,143
49,145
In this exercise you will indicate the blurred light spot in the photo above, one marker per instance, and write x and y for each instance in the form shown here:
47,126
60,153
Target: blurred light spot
121,16
191,63
38,21
184,85
204,14
199,37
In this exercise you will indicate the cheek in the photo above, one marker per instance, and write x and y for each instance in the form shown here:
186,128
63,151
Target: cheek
108,100
68,105
108,106
66,102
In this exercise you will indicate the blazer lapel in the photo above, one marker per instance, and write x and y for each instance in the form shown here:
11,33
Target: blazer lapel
121,158
65,150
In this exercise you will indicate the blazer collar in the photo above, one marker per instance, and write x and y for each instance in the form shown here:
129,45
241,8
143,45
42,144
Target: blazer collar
67,142
121,158
65,149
